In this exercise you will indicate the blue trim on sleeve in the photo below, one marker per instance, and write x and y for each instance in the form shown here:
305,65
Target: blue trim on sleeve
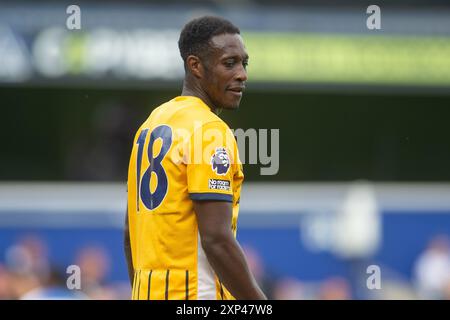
211,196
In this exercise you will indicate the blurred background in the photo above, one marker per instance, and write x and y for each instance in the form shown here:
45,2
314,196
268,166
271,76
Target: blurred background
364,177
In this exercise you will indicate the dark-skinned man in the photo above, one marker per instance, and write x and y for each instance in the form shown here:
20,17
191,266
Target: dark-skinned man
185,179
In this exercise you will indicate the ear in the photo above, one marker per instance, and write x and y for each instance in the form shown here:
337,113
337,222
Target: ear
195,66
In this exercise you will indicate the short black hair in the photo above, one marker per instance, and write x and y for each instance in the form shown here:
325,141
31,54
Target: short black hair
196,34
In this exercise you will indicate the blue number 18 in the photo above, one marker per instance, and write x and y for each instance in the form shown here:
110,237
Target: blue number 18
149,199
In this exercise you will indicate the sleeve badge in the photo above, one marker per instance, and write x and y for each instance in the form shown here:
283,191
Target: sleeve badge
220,161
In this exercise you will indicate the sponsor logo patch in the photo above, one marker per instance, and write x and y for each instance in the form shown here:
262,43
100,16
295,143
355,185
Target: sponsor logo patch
217,184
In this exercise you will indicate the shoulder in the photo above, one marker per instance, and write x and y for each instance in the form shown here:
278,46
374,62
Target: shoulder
197,115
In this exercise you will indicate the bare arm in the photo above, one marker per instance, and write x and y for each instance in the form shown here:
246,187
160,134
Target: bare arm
127,247
223,251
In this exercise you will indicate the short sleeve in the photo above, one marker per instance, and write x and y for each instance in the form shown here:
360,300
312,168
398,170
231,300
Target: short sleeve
211,163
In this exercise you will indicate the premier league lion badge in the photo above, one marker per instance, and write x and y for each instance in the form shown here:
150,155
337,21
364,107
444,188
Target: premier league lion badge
220,161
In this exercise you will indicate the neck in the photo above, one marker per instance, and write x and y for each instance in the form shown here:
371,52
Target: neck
195,91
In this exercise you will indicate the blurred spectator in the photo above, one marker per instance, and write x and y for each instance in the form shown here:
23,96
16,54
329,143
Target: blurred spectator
432,269
23,283
335,288
94,264
29,275
27,264
29,256
289,289
6,292
447,291
55,288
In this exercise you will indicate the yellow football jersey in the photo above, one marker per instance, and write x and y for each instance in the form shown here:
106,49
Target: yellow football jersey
182,152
